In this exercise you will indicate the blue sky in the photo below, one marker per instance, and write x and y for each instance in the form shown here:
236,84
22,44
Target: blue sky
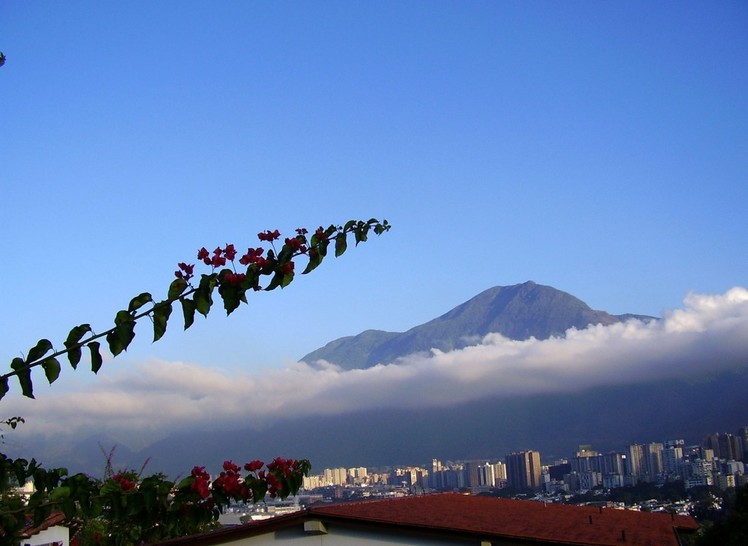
597,147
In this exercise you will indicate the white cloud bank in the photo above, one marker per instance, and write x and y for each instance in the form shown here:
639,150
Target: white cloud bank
710,333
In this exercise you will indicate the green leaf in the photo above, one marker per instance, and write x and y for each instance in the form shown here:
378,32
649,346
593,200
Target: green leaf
251,279
69,508
59,493
96,360
231,295
43,346
349,224
275,282
204,294
188,310
72,343
122,334
161,314
361,232
51,369
4,387
23,372
341,244
139,301
315,258
176,288
381,228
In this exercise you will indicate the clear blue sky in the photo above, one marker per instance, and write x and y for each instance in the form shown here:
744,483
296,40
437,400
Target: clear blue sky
597,147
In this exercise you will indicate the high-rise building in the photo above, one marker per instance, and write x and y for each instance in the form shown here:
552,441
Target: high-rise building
523,470
499,471
613,463
672,458
587,460
636,463
471,474
653,455
743,435
725,446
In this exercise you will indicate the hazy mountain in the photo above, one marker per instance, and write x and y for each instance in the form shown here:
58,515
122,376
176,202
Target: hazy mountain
517,312
628,409
608,418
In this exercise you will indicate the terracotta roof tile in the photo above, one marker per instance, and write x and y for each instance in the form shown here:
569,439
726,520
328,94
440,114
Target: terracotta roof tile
55,518
518,519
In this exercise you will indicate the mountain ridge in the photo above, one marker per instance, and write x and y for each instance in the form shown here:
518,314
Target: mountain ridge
518,312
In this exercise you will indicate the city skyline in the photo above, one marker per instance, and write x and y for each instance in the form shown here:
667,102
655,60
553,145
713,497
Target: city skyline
523,471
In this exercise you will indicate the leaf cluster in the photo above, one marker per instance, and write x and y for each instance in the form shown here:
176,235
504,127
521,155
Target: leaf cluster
127,509
276,270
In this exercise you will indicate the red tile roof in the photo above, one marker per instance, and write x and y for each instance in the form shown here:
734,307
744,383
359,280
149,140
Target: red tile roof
55,518
507,518
481,518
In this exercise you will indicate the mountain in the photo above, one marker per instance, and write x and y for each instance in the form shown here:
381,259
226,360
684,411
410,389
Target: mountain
609,418
517,312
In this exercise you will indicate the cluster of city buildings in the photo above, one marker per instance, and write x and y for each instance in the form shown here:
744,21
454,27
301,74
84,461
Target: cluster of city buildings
719,460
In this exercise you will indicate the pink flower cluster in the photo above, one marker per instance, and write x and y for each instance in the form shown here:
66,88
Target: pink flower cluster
221,256
231,483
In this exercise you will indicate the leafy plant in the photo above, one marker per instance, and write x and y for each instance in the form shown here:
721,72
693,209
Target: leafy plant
125,508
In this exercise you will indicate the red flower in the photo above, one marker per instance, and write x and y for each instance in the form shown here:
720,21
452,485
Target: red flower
320,234
268,235
186,271
229,252
229,465
217,260
252,256
234,278
202,254
253,466
287,268
301,231
229,482
296,244
201,483
124,483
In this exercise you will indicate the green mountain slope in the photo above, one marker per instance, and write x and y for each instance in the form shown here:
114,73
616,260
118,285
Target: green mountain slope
517,312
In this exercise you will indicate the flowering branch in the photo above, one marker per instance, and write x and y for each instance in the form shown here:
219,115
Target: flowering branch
232,286
129,510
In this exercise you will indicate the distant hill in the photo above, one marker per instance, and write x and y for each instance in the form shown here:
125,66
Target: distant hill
517,312
609,418
606,417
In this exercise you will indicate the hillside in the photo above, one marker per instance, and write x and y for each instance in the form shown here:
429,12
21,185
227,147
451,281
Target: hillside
517,312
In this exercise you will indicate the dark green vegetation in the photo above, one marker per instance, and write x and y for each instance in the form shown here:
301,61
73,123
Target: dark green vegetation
731,527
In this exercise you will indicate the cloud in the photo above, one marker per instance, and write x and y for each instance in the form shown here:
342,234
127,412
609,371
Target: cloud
710,333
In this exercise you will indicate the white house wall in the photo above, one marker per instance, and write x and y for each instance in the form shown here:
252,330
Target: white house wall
339,537
54,535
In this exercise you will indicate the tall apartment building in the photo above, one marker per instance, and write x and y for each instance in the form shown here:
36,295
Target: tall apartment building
587,460
653,454
725,446
523,470
614,463
743,435
672,458
636,463
471,471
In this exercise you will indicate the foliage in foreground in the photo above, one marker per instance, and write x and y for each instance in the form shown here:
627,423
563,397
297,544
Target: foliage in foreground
125,508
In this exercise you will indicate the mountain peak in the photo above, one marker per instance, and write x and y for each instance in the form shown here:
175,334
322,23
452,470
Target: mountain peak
518,312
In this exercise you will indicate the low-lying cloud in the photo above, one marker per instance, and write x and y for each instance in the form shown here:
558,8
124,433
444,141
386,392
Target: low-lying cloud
710,333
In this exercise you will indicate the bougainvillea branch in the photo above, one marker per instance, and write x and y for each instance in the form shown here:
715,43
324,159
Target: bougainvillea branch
125,508
257,269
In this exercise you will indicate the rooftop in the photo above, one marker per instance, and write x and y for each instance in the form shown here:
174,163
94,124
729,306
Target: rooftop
480,518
